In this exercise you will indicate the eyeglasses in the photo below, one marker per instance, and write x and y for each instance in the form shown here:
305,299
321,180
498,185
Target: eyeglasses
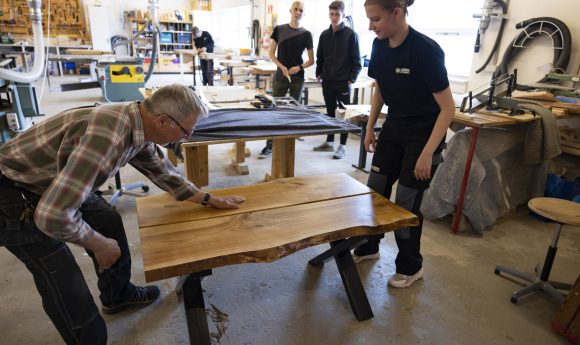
186,133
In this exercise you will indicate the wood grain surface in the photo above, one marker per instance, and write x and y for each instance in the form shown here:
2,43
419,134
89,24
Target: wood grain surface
162,209
277,219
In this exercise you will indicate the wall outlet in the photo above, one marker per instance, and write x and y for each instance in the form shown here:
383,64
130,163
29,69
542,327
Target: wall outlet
12,120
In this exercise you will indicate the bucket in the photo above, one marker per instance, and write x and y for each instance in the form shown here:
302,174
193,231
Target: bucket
70,67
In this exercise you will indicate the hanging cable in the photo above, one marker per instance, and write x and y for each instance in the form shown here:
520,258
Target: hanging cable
504,8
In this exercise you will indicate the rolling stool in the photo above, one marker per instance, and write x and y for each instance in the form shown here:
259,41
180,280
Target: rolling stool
561,212
118,190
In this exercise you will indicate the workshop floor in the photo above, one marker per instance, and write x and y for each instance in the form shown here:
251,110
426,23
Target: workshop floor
460,301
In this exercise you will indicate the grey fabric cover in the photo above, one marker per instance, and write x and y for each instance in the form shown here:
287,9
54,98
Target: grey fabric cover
499,179
255,123
543,137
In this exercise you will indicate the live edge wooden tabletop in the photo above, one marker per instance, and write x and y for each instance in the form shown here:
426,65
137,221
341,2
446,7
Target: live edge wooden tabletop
278,218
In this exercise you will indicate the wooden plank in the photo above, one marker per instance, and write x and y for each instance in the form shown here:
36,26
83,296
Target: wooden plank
572,150
480,120
162,209
534,95
568,310
506,116
86,52
264,236
196,164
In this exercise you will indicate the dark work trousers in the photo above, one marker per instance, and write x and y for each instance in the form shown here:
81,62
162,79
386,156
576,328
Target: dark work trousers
206,67
396,154
333,93
65,295
281,85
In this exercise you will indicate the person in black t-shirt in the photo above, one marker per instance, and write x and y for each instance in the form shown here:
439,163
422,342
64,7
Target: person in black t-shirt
290,40
409,69
337,67
204,44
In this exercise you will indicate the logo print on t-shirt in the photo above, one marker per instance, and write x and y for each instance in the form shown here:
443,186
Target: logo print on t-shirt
401,70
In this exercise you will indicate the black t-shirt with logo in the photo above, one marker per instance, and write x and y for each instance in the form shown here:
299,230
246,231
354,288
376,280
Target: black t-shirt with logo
291,44
407,77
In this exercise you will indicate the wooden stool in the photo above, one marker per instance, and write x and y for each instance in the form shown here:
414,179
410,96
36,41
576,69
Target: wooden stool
561,212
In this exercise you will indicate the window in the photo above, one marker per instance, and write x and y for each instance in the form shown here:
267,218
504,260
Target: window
235,34
449,22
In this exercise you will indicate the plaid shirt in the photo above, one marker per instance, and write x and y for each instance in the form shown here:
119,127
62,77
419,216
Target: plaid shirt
70,155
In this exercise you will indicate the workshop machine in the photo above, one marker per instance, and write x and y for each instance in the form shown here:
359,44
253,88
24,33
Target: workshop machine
17,101
120,80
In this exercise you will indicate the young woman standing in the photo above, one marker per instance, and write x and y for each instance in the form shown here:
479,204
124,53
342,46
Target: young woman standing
409,70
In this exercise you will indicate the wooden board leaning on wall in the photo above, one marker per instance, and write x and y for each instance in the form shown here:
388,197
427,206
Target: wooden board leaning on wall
66,17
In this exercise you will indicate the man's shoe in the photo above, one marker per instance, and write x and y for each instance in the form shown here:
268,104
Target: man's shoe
142,296
403,281
325,147
340,152
266,152
359,258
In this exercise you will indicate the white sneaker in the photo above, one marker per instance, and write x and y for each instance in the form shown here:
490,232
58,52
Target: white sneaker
402,281
357,258
340,152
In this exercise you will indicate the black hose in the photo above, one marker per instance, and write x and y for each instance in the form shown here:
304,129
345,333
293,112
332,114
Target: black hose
533,28
504,8
153,55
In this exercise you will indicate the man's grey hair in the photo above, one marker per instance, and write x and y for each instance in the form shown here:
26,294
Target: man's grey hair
176,100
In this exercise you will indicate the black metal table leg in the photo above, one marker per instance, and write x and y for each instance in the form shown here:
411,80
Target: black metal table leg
195,309
344,245
355,291
362,152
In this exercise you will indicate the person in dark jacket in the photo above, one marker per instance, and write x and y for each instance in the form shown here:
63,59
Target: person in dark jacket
337,67
204,44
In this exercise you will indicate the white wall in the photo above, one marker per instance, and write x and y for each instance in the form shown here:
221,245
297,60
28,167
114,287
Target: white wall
532,63
117,7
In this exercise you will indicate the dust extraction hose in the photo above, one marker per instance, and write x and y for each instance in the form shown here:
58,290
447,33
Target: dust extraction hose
534,28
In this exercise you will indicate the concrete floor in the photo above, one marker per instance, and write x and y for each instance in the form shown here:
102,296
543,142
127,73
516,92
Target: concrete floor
460,301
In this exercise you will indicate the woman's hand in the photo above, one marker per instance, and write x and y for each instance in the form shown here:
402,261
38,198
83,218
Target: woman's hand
423,166
370,140
285,71
294,70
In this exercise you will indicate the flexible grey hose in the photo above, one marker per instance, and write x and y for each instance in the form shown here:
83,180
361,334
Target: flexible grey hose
534,28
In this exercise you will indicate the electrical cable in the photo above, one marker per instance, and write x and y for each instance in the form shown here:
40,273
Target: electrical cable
504,8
